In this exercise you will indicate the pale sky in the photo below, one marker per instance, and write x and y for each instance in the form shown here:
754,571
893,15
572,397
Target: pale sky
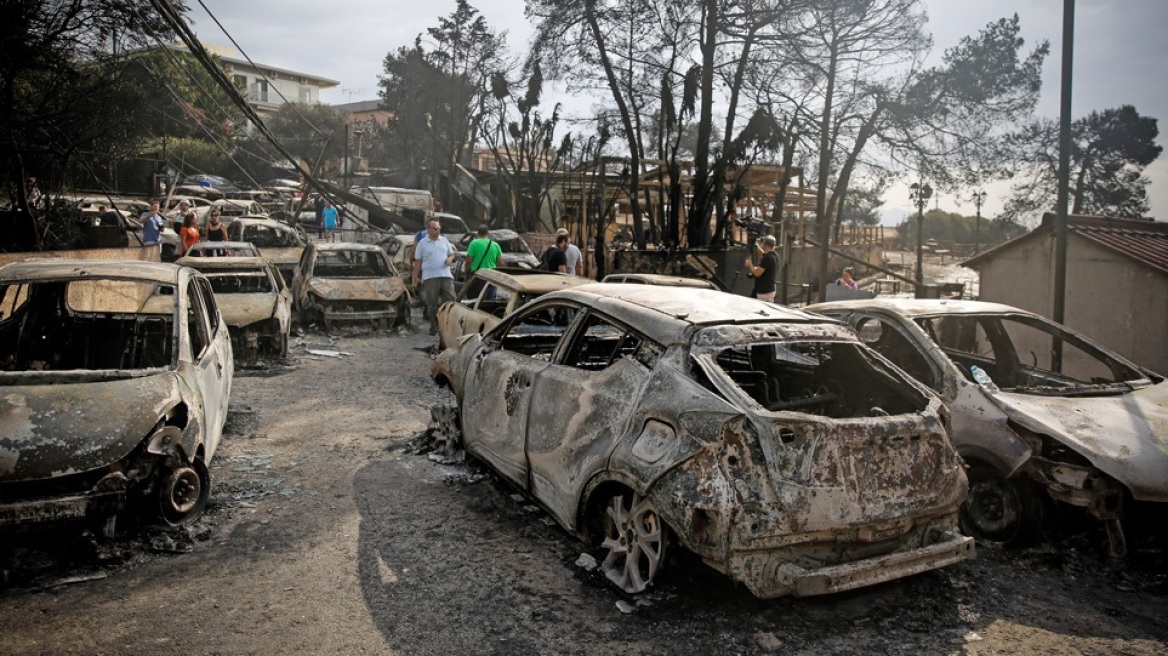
1120,52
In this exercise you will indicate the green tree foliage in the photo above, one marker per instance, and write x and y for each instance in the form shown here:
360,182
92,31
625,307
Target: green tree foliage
437,91
1109,152
63,91
950,229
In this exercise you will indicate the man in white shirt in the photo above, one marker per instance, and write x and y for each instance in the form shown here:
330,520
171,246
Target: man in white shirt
433,256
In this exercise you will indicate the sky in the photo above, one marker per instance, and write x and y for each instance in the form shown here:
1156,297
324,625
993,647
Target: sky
1120,54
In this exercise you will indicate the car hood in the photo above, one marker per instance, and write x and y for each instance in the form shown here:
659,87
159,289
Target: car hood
512,259
64,428
282,256
1125,436
245,309
357,289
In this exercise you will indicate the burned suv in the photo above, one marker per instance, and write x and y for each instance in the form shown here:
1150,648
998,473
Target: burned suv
114,382
766,440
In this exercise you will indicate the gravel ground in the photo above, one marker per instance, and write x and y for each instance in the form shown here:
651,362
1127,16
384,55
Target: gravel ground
326,534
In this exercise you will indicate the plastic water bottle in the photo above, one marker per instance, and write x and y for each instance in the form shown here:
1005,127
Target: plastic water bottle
983,379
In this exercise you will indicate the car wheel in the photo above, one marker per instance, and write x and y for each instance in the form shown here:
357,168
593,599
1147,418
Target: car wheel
183,492
635,539
998,509
446,429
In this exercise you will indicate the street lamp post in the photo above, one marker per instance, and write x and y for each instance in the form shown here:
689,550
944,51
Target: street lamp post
920,195
979,197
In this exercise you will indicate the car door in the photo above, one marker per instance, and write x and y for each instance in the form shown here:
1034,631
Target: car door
212,373
498,383
581,406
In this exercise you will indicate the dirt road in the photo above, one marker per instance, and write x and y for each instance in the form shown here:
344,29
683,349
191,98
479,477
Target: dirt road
325,536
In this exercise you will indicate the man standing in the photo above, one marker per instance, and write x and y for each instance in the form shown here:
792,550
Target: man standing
152,226
318,209
768,268
433,256
575,259
556,258
482,253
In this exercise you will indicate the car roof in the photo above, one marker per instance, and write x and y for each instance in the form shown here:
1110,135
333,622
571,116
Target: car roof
667,313
58,268
531,281
206,245
915,307
260,220
347,246
662,279
223,262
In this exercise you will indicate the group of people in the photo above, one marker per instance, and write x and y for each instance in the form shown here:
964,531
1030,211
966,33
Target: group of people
189,234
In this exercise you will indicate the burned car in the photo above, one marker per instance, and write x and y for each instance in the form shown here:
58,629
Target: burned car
254,302
1086,428
492,294
346,282
280,243
659,279
768,441
114,382
222,249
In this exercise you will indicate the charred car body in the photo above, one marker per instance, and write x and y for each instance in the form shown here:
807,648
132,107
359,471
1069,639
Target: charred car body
114,383
492,294
1091,432
347,282
253,300
280,243
768,441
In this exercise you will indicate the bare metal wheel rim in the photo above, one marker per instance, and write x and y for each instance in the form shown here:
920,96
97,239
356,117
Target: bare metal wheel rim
635,540
183,494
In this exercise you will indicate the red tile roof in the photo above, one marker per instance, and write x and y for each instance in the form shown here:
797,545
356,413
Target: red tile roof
1143,241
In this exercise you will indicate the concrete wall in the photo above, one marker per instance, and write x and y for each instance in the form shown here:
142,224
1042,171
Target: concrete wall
1115,300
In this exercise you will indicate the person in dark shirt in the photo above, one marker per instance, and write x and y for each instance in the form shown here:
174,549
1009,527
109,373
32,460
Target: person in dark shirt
557,257
765,273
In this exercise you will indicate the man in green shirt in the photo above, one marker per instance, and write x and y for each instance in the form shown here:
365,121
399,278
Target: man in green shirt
481,253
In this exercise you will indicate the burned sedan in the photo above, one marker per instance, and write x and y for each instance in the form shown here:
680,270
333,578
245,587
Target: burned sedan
768,441
254,302
114,382
347,282
1057,417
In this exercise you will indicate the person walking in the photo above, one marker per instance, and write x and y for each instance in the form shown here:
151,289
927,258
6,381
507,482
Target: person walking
152,226
481,253
765,273
329,216
575,259
216,231
433,256
189,232
556,257
318,208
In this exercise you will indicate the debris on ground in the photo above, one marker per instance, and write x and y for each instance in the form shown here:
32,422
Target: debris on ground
586,561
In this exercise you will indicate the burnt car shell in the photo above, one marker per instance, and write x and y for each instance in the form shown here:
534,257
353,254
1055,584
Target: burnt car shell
348,282
253,300
770,441
1093,435
103,402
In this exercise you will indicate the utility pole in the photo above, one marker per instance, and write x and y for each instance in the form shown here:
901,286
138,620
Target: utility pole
979,197
920,194
1064,179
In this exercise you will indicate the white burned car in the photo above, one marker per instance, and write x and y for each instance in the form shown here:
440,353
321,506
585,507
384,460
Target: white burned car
255,303
1089,430
768,441
348,282
114,383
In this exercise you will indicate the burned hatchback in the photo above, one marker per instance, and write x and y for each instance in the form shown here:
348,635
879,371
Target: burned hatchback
768,441
348,282
254,301
114,382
